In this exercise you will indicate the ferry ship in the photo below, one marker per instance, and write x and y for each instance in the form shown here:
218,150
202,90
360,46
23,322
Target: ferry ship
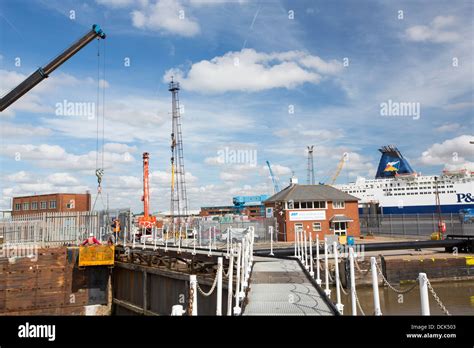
398,189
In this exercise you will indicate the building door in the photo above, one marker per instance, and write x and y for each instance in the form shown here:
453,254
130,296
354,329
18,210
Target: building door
340,228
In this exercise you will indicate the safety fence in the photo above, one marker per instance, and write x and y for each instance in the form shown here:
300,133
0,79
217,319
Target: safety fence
304,251
240,257
58,228
414,224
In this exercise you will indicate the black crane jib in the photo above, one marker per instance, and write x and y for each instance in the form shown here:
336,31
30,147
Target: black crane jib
43,72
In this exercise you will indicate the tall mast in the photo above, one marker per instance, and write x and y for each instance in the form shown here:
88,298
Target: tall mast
179,199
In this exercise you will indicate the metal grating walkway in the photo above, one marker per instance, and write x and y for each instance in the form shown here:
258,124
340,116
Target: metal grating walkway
279,287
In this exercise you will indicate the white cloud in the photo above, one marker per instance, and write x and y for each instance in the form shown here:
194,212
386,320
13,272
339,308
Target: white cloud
249,71
62,179
26,183
19,177
119,148
448,127
437,31
38,100
215,2
116,3
55,156
165,15
10,130
456,153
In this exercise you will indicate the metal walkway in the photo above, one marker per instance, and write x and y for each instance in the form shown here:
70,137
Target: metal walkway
280,287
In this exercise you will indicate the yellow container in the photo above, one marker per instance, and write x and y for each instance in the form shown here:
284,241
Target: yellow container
342,240
96,255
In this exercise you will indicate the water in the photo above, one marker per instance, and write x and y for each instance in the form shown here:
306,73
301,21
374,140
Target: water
457,296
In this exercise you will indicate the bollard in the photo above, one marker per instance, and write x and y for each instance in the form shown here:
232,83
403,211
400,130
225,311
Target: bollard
210,241
220,266
134,236
270,228
318,273
237,309
177,310
228,240
300,233
230,282
311,271
215,244
339,305
194,241
326,268
251,239
295,242
353,288
425,303
305,251
193,287
125,236
375,286
200,245
242,270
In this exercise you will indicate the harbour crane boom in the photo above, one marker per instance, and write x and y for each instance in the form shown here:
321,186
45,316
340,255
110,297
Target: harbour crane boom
275,183
339,168
43,72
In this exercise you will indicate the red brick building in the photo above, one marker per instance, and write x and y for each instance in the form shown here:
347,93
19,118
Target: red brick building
319,209
48,203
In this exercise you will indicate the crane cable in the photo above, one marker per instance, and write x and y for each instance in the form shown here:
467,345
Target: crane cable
99,171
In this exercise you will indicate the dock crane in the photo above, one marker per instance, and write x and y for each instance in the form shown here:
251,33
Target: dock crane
339,168
43,72
146,221
275,183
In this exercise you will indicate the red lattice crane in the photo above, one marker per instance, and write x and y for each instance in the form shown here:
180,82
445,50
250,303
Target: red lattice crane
147,220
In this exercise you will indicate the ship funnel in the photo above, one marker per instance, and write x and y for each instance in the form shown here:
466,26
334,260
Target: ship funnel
392,163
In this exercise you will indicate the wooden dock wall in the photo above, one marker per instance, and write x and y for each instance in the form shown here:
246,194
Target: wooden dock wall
52,285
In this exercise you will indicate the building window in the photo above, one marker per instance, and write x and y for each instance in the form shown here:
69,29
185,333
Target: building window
303,205
297,205
52,204
17,206
319,204
338,205
26,206
43,205
340,228
316,226
34,205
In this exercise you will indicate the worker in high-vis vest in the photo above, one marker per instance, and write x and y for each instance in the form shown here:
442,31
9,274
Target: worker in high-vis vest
116,228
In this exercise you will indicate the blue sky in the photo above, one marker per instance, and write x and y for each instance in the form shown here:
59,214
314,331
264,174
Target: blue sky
242,65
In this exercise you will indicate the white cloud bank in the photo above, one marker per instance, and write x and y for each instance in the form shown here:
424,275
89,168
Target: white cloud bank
438,31
250,71
456,153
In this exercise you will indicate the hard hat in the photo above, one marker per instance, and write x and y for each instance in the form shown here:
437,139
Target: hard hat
91,234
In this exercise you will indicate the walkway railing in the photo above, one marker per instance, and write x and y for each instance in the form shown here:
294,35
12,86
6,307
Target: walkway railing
240,257
304,245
